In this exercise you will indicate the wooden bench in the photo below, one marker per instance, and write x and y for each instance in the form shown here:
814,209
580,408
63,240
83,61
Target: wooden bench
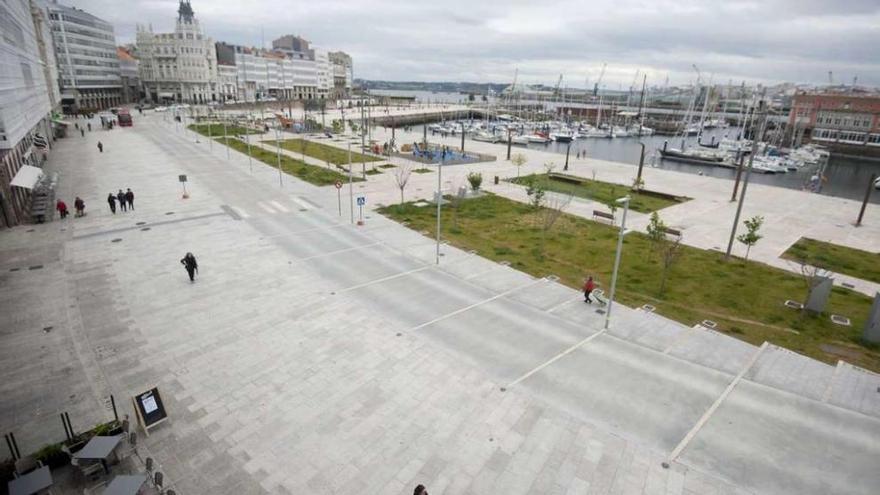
672,232
566,178
602,214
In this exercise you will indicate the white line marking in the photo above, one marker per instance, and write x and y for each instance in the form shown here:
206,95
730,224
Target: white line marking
563,303
827,395
338,251
472,306
302,204
266,207
709,412
383,279
556,358
280,206
241,212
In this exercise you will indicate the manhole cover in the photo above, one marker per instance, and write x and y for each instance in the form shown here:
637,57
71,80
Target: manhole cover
116,240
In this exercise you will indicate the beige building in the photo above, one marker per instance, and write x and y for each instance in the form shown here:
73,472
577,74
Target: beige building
179,66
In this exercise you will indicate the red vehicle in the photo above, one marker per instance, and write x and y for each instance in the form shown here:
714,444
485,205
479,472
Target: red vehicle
124,118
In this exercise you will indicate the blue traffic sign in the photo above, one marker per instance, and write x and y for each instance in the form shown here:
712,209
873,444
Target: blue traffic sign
362,200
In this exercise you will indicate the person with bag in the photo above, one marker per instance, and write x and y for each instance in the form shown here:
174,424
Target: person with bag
80,206
189,262
61,206
589,286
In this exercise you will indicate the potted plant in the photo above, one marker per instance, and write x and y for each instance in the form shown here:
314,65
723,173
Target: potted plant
51,455
476,180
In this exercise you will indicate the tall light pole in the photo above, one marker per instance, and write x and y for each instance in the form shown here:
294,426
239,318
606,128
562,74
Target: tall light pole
625,201
350,184
439,200
247,137
225,138
755,138
278,155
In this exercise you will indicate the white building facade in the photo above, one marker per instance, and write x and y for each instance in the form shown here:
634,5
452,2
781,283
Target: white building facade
28,96
85,49
179,66
263,74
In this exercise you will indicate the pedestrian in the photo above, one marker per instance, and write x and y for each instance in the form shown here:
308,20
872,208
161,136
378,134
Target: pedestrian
80,206
189,262
589,285
111,199
100,147
121,197
129,198
90,126
61,206
76,124
82,132
420,490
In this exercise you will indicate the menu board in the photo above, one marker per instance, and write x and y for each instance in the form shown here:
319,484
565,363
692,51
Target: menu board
149,408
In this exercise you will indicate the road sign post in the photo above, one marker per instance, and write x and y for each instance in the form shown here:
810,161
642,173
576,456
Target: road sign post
361,201
182,179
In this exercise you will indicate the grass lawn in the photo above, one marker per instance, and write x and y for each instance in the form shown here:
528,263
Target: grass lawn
841,259
323,152
217,130
603,192
744,298
387,165
374,171
422,170
318,176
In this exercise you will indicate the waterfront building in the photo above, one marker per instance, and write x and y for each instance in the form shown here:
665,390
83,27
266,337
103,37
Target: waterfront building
128,70
342,68
28,95
85,49
283,73
847,121
179,66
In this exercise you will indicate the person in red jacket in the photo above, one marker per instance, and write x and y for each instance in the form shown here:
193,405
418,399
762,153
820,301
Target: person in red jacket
61,206
589,285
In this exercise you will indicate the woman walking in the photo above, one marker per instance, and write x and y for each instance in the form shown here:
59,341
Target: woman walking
189,262
61,206
80,206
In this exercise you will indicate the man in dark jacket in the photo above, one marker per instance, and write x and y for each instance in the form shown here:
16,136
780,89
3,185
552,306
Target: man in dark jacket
112,200
189,262
121,197
129,198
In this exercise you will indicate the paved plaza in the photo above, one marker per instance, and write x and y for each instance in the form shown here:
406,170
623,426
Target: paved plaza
315,356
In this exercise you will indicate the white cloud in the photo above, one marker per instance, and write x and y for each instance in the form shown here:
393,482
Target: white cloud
770,40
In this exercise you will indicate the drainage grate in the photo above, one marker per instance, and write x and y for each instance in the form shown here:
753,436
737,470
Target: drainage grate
169,213
35,267
848,285
117,240
47,329
141,223
648,308
14,269
145,229
504,263
793,304
709,324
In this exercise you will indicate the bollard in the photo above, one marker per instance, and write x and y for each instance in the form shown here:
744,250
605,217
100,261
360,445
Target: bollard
496,180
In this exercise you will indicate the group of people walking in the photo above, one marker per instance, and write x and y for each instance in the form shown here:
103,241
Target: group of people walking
78,204
125,199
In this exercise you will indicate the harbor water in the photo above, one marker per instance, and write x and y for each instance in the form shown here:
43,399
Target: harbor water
845,177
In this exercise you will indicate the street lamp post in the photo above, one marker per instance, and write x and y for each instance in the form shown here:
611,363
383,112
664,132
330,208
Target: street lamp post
625,201
439,200
225,138
247,134
278,155
567,151
350,184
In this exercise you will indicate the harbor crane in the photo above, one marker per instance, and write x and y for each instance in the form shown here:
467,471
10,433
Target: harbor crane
599,81
556,93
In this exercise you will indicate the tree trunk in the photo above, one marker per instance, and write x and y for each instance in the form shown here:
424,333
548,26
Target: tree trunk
663,280
401,195
748,248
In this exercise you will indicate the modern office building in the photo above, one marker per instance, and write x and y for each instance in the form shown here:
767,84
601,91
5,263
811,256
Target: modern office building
28,95
85,48
128,70
179,66
342,68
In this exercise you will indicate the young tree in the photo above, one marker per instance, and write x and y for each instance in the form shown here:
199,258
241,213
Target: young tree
638,184
549,167
401,176
476,180
518,160
337,127
751,236
612,207
303,144
667,250
535,191
553,208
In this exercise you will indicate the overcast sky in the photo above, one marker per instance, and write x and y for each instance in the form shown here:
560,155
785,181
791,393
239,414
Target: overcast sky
485,40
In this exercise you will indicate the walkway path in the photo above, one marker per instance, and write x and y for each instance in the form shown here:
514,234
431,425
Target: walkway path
312,356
